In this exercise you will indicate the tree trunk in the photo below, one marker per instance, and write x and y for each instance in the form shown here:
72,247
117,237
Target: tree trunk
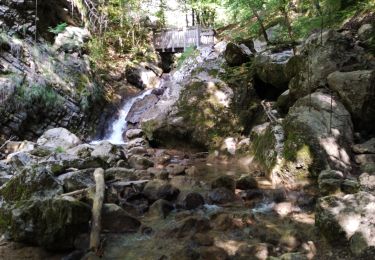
96,224
260,21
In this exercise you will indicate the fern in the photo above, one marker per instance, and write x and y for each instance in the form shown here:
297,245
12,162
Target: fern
58,29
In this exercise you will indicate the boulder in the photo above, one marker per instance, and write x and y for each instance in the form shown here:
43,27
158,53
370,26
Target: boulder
246,183
175,169
330,181
52,223
139,162
140,107
72,39
356,90
59,138
348,219
192,200
77,180
82,150
367,182
31,182
134,133
311,142
366,147
235,55
107,152
116,220
221,196
160,209
158,189
224,181
142,77
119,173
366,31
158,173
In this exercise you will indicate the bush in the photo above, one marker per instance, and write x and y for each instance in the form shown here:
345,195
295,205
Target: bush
58,29
37,94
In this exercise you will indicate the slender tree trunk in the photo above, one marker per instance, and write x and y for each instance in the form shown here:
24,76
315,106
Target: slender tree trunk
192,17
260,21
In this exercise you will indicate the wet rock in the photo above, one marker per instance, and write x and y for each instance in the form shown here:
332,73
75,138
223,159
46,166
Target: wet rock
59,137
31,182
284,102
358,100
184,182
246,183
235,55
348,219
140,163
27,221
213,252
223,222
191,226
258,251
82,150
137,142
158,173
366,147
140,107
160,209
193,200
175,169
201,239
116,220
224,181
158,189
138,150
252,194
77,180
221,196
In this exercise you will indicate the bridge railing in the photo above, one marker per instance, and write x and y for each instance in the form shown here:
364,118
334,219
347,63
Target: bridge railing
172,39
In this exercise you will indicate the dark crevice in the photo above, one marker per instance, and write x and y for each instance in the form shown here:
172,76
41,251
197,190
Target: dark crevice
267,91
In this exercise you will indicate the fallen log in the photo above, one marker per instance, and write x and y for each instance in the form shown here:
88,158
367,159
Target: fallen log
97,211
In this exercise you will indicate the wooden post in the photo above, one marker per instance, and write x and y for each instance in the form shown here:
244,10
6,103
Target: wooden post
96,224
184,38
172,39
198,36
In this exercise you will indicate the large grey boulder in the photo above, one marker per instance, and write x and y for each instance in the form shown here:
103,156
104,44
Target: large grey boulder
356,90
59,137
142,76
316,137
348,219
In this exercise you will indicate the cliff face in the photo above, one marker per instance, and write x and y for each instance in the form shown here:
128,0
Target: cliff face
44,85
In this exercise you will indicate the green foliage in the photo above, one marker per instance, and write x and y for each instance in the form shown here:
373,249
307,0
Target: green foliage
38,94
58,29
59,149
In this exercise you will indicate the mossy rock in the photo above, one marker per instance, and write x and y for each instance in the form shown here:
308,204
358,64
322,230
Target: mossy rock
51,223
32,181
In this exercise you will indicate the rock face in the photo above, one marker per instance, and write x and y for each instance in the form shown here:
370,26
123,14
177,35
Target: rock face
72,39
312,140
59,137
236,55
349,219
356,89
321,57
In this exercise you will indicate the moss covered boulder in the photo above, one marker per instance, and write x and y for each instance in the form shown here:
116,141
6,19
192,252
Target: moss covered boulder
51,223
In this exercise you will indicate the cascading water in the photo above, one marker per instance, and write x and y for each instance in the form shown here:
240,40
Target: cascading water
119,125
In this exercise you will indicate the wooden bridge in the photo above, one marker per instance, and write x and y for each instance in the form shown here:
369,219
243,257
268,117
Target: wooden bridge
177,40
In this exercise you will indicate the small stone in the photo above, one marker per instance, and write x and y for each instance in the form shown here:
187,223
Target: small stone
160,209
246,183
193,200
221,196
175,169
224,181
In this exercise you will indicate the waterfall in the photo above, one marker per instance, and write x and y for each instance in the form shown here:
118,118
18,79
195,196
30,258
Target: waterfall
118,127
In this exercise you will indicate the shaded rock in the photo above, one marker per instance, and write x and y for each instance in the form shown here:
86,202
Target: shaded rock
134,133
253,252
59,137
284,102
367,182
160,209
350,186
202,239
175,169
348,219
223,222
184,182
31,182
28,222
161,174
356,89
158,189
224,181
364,159
139,162
77,180
235,55
137,142
191,226
213,252
329,181
221,196
366,31
366,147
82,150
116,220
119,173
193,200
246,183
140,107
142,77
72,39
